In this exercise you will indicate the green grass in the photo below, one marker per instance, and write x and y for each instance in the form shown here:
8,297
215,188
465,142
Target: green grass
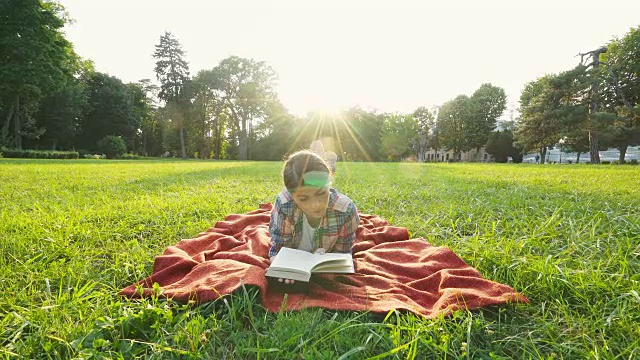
74,232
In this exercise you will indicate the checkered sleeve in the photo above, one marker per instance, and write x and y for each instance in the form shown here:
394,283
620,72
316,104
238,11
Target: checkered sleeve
277,228
349,221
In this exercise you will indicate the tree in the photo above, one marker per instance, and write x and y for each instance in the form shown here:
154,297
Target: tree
453,119
398,133
622,63
594,126
61,111
35,60
465,123
246,89
540,123
486,105
142,110
112,111
150,143
112,146
425,122
576,141
173,73
559,107
277,134
434,135
202,113
576,133
594,103
500,145
362,136
210,115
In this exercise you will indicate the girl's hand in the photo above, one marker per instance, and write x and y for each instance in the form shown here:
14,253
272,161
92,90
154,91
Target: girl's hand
320,251
286,281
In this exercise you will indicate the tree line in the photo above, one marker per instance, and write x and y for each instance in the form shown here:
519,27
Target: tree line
52,99
592,107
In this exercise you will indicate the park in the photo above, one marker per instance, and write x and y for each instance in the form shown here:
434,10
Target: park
75,232
532,186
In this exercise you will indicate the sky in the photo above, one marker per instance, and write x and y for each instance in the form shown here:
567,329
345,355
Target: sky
390,56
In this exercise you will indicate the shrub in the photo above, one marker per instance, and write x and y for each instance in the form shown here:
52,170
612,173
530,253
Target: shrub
112,146
94,156
131,156
633,162
39,154
605,162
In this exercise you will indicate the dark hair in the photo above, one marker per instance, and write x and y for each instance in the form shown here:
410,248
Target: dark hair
300,163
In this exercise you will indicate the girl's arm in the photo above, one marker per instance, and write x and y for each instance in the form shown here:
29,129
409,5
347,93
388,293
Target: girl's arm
348,232
277,229
278,234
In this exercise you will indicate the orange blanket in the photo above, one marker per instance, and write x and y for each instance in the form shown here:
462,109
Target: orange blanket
392,271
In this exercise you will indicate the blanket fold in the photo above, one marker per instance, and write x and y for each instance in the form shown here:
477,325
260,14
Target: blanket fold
392,271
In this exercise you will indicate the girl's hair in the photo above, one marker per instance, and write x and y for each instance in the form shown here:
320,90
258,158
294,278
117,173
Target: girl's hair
300,163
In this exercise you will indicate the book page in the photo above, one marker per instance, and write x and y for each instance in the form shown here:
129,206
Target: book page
288,258
342,267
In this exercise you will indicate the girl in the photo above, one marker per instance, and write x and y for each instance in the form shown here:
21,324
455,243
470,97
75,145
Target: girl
309,214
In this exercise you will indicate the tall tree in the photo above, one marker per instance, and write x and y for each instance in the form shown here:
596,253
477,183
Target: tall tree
142,110
60,114
569,101
424,121
149,142
593,125
246,88
112,112
277,134
560,107
465,123
453,120
210,114
172,70
622,64
434,135
398,134
203,102
35,59
535,131
362,136
486,105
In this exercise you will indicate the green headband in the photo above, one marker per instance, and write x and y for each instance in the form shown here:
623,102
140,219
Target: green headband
316,179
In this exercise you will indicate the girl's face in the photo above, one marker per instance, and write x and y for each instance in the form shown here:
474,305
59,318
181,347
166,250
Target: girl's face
313,201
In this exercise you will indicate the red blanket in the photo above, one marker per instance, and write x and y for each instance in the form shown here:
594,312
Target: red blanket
392,271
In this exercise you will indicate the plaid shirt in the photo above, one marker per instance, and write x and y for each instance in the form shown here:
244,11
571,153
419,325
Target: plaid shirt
336,233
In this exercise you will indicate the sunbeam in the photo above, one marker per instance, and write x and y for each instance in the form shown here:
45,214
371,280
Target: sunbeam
354,137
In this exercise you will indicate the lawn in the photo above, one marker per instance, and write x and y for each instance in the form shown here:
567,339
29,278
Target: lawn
74,232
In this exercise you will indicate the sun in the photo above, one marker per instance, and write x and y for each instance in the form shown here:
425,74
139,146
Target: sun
334,130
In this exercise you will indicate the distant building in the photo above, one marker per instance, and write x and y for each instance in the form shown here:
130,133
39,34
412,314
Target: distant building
468,156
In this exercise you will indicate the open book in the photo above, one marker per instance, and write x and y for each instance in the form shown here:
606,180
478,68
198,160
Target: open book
298,265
